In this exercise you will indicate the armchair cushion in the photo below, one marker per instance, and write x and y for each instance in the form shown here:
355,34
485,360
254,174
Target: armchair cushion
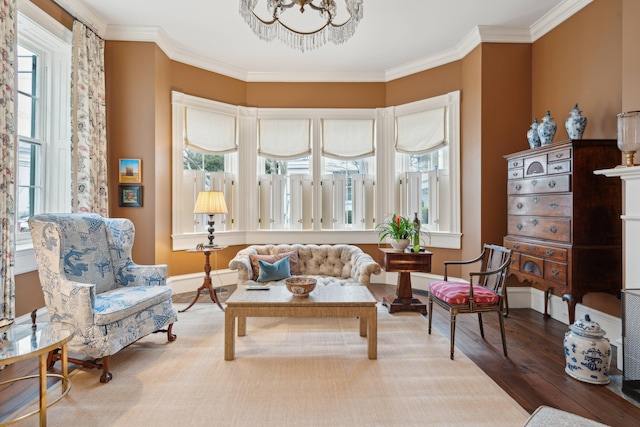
457,293
117,304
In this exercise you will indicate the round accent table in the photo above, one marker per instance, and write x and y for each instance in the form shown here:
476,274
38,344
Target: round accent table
25,341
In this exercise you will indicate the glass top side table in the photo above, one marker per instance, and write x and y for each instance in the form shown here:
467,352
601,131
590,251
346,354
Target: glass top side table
25,341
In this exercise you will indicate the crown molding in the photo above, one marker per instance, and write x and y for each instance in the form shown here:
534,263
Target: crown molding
79,11
556,16
480,34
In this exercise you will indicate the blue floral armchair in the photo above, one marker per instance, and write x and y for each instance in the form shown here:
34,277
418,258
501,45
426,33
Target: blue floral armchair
89,280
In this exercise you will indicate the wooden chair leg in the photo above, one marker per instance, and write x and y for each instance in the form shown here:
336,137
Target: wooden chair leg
480,323
106,375
170,336
504,338
430,312
452,334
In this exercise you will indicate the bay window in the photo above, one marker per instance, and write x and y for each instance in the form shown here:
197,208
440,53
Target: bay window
321,175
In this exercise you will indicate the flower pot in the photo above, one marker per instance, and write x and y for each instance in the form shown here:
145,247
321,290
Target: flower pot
399,245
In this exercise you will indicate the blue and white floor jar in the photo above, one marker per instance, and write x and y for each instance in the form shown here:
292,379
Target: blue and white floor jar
587,352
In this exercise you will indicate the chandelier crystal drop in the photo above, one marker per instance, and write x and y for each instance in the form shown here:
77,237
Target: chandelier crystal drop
270,29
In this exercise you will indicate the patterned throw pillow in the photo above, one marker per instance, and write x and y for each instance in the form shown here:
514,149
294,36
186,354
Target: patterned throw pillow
293,262
277,271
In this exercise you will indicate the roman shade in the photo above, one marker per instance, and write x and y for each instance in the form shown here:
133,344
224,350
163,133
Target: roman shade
208,132
348,139
284,139
421,132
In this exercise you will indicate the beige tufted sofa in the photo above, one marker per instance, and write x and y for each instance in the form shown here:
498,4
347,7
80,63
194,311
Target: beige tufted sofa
328,264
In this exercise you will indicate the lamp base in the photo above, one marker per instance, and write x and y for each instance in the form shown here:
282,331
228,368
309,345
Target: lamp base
629,156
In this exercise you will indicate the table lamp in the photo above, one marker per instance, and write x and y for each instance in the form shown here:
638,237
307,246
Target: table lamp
210,203
629,135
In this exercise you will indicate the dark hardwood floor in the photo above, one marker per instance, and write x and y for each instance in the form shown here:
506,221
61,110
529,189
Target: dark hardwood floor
533,373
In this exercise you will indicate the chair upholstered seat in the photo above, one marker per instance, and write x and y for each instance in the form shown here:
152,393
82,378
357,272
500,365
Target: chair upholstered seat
117,304
457,293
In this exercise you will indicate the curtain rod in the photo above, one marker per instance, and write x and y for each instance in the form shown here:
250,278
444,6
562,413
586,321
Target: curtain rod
89,26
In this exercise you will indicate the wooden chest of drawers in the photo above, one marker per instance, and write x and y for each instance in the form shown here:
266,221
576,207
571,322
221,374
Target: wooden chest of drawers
563,224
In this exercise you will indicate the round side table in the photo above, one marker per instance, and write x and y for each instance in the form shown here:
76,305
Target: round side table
25,341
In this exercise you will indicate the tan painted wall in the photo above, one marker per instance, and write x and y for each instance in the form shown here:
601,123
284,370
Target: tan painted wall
316,95
579,61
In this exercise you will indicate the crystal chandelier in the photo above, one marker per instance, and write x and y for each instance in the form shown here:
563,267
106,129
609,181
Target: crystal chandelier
269,29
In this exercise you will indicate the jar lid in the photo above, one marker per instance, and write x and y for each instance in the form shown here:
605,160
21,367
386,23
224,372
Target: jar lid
586,327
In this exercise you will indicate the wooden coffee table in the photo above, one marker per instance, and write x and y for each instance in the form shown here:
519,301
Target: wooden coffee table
277,301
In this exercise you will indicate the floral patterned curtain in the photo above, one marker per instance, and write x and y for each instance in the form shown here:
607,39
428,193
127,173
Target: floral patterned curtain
8,47
88,121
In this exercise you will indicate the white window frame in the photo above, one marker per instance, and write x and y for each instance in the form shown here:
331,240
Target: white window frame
48,38
445,203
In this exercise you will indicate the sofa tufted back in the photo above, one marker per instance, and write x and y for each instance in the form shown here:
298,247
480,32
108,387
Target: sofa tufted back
324,260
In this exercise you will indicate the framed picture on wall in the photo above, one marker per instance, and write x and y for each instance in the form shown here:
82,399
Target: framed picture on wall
130,196
130,171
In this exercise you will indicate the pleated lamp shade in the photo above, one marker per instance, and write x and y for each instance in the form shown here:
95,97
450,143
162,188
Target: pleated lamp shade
211,203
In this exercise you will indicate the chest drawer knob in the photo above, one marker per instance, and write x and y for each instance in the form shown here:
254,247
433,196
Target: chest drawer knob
559,155
536,200
534,222
534,182
519,205
552,184
518,187
516,245
553,229
553,205
555,272
549,252
519,226
558,168
531,248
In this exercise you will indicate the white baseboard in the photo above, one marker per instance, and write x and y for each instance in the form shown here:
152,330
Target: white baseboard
191,282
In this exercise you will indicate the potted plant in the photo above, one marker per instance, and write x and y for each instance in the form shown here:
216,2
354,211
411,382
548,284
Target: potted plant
400,230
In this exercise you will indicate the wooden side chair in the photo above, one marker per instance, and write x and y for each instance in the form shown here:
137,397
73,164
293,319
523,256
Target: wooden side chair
485,292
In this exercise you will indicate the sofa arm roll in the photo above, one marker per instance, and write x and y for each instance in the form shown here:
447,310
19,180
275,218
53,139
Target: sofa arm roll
363,267
242,263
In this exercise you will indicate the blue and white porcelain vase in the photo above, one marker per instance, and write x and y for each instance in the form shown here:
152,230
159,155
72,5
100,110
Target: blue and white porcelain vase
587,352
575,123
532,135
547,129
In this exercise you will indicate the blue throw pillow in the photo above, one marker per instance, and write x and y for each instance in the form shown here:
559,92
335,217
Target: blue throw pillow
277,271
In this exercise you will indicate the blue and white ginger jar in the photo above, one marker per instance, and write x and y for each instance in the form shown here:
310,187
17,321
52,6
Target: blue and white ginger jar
547,129
575,123
587,352
532,135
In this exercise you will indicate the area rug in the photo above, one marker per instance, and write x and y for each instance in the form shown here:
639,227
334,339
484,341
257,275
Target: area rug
287,372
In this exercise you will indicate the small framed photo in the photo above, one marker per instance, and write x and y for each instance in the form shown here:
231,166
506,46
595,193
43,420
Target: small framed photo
130,196
130,171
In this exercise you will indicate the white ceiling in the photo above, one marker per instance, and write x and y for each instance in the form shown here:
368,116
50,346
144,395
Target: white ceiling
394,38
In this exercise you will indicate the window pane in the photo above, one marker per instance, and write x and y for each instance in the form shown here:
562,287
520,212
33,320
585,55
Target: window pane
29,182
25,116
193,160
26,71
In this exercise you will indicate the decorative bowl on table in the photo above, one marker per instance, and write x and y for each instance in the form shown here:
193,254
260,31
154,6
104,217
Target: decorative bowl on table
300,286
